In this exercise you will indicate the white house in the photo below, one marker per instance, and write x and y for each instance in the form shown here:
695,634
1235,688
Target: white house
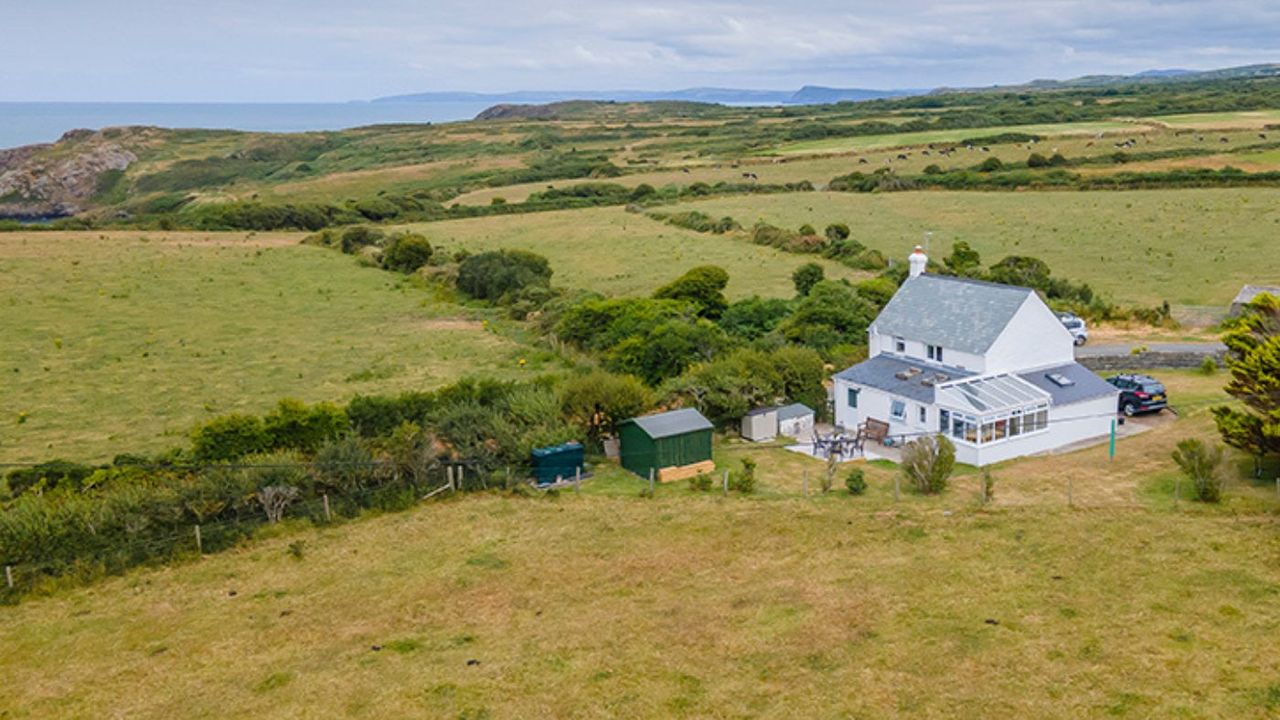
989,365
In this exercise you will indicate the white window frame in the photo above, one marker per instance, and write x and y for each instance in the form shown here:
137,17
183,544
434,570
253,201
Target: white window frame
934,352
898,409
900,345
923,415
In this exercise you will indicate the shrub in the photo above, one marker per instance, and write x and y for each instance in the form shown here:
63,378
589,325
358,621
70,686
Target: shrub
991,164
836,232
406,253
498,273
294,426
700,482
343,467
355,238
229,437
702,286
48,476
1036,160
856,482
988,487
1202,464
807,229
745,481
598,401
1209,366
927,463
831,314
806,276
933,169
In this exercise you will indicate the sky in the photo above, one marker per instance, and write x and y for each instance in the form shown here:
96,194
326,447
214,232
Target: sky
339,50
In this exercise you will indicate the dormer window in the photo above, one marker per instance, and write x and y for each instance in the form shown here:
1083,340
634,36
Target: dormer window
934,352
900,346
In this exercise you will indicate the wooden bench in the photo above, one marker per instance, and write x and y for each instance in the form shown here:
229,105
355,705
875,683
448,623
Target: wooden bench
872,429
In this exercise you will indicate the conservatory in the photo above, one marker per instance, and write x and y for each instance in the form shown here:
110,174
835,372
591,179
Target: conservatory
986,411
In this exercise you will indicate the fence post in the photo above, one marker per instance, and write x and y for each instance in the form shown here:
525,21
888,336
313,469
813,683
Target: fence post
199,542
726,482
462,476
328,515
449,471
8,576
577,479
650,481
508,478
895,487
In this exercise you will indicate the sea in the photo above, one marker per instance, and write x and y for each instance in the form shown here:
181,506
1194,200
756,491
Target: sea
25,123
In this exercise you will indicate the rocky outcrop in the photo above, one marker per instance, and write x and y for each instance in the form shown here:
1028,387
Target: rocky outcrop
59,179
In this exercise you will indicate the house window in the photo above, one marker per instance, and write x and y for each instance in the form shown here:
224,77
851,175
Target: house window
900,345
853,397
944,421
934,352
924,415
898,409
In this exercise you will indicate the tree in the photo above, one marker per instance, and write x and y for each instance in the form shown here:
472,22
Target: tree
806,276
1202,464
598,401
496,274
807,229
832,313
963,259
294,426
1021,270
927,462
406,253
703,286
754,317
1036,160
1253,359
667,350
991,164
836,232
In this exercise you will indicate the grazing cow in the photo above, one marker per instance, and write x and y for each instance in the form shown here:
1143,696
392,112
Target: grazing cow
1223,140
862,161
902,156
1089,144
684,170
1262,135
1199,138
986,149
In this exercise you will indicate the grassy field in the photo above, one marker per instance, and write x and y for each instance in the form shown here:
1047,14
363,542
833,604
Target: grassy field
1190,247
119,342
835,145
691,605
619,253
1242,119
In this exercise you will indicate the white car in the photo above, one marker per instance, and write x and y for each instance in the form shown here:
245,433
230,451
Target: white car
1076,325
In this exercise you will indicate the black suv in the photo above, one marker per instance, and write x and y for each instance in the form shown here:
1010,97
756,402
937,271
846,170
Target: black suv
1140,393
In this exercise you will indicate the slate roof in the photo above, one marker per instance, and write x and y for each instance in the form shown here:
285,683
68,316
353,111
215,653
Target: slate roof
675,422
762,411
967,315
1087,385
794,410
881,372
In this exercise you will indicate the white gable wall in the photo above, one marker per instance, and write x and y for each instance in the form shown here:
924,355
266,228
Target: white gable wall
1033,338
918,350
878,405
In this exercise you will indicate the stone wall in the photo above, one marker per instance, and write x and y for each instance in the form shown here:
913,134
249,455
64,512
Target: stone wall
1151,360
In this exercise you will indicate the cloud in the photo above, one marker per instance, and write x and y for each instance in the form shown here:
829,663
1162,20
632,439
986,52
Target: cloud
334,49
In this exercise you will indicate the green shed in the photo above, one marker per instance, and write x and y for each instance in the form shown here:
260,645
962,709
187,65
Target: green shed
669,439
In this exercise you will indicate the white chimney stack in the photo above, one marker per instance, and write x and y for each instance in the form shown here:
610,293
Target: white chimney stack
918,262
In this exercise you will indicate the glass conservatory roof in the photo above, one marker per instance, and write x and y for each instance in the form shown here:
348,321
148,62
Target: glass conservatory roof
990,394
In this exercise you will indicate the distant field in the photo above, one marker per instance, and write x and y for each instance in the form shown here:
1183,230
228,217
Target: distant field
116,343
695,605
1190,247
620,253
836,145
1243,119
